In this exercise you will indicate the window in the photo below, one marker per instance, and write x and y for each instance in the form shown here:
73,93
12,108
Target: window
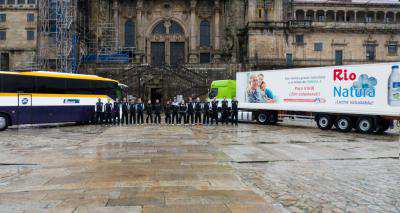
31,1
338,57
21,2
4,61
205,35
30,17
205,58
299,39
392,48
318,47
370,52
10,1
78,86
160,28
18,83
3,17
3,35
50,85
30,35
130,34
2,2
289,59
175,28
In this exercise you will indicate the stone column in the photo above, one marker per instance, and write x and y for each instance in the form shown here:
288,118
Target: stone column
116,23
251,9
139,53
217,36
193,54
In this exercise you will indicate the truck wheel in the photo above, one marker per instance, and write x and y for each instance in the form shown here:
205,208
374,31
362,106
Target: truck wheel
324,122
3,122
383,126
344,124
262,118
365,125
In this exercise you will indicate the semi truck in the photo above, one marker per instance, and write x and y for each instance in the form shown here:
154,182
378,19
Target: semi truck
361,97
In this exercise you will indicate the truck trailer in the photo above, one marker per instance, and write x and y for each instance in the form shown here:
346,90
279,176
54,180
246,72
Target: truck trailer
361,97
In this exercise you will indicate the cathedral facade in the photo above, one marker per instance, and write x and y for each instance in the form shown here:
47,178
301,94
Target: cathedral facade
172,32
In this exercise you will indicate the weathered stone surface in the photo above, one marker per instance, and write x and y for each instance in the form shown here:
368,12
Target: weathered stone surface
249,168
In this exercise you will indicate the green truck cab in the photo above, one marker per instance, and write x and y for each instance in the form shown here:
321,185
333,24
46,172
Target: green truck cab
222,88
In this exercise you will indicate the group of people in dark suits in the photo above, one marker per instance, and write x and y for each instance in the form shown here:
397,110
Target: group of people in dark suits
194,112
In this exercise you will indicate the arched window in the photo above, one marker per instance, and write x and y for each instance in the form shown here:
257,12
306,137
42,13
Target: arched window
205,35
160,28
175,28
130,38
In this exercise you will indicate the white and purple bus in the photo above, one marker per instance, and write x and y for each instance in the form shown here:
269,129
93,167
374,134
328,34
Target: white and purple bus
52,97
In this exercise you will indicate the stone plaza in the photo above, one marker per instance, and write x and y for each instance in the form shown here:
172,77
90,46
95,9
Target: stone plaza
250,168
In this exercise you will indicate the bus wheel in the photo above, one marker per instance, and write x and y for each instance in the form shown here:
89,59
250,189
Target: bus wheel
344,124
365,125
324,122
3,122
262,118
383,126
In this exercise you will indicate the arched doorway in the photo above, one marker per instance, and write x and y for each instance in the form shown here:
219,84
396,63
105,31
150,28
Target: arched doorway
167,44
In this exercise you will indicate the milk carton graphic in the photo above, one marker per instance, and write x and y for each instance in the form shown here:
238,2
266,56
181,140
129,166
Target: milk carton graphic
394,87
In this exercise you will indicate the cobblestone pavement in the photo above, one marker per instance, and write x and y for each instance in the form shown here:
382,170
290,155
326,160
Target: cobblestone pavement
249,168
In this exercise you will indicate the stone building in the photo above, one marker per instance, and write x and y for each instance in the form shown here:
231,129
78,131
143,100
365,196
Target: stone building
170,32
17,34
162,47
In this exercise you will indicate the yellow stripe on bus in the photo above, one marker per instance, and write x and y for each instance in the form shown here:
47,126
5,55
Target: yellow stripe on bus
60,75
37,95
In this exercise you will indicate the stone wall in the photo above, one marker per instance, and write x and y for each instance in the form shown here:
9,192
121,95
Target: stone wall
21,51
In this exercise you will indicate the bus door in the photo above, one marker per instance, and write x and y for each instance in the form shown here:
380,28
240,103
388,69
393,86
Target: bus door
24,112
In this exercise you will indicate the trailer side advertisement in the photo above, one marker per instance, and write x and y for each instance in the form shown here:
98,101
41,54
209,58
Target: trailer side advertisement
360,89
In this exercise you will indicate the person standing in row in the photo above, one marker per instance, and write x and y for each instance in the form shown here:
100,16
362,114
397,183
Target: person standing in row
182,113
214,111
225,111
235,110
175,111
99,111
149,112
132,112
139,110
108,112
197,111
167,112
157,112
206,113
190,111
125,112
115,112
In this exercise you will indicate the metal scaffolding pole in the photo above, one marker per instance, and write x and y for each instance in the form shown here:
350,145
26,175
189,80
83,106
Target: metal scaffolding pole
58,38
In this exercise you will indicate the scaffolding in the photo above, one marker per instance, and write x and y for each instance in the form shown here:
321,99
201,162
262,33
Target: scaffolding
58,36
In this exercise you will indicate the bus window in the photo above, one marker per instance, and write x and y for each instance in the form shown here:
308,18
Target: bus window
17,83
78,86
46,85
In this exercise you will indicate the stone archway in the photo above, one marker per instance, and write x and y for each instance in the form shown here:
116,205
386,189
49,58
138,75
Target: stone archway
167,44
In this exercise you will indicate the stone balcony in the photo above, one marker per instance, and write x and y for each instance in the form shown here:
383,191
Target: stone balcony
328,26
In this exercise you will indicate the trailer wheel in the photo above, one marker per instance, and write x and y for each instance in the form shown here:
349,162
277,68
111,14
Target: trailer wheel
324,122
262,118
3,122
365,125
383,126
344,124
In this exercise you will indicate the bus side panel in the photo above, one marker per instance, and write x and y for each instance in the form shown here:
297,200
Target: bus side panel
60,114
